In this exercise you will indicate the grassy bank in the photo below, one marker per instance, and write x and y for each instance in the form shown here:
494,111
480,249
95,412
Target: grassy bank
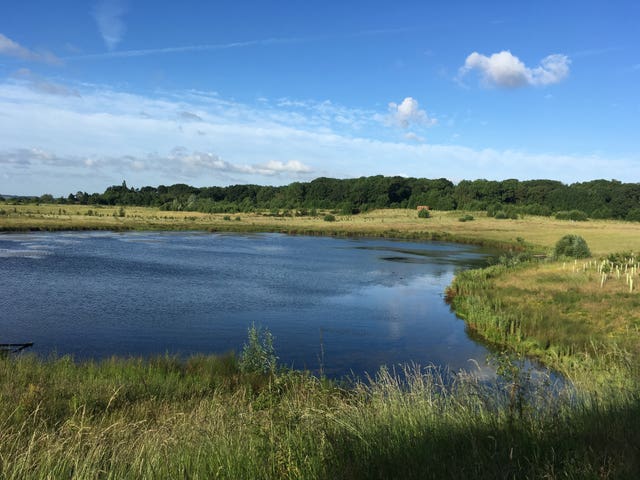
563,312
205,418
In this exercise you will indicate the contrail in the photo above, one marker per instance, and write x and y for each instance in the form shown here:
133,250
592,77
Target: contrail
227,46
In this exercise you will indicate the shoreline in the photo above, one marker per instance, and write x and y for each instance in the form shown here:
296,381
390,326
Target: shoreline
391,225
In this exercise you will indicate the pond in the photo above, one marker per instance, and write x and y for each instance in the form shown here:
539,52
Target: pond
346,306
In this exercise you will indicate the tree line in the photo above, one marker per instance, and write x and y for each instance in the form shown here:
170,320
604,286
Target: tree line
601,199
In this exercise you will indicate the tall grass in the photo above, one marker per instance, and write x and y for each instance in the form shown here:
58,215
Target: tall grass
563,316
205,418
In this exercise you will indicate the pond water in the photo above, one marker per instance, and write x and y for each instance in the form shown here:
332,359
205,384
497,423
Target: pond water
343,305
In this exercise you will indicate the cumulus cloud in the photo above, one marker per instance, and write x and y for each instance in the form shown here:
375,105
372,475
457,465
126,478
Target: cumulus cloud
13,49
108,15
408,112
505,70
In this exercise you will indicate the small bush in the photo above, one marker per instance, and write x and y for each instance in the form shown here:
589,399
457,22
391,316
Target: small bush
572,246
227,218
258,354
466,218
329,218
575,215
424,213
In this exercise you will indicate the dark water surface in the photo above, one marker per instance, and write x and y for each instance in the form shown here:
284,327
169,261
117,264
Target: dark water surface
348,304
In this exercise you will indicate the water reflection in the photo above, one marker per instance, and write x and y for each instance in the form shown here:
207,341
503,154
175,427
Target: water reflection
343,305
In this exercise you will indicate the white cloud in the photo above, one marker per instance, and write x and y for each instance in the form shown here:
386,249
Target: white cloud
97,139
13,49
210,161
505,70
408,112
414,137
274,167
179,161
108,15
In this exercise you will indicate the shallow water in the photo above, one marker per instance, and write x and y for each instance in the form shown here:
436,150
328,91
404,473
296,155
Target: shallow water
343,305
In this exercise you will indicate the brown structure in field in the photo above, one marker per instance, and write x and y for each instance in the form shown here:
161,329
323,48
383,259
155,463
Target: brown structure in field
423,207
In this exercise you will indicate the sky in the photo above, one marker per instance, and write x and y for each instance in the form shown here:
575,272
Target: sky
230,92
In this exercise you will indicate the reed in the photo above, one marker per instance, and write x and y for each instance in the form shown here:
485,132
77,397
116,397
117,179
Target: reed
204,418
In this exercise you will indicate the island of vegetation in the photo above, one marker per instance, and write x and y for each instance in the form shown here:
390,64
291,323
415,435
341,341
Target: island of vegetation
566,291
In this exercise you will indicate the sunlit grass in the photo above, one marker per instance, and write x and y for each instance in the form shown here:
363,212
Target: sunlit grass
603,236
560,312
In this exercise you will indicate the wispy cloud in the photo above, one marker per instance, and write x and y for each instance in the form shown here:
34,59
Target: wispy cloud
14,49
190,116
108,15
99,138
265,42
505,70
414,137
43,85
179,161
593,52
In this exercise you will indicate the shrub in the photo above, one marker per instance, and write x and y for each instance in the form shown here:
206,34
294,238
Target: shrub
424,213
536,209
466,218
575,215
329,218
572,246
227,218
601,213
258,354
507,212
493,209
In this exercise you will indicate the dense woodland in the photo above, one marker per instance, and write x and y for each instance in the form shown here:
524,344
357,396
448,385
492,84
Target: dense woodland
508,198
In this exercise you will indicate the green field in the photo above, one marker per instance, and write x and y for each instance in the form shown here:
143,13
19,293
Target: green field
207,417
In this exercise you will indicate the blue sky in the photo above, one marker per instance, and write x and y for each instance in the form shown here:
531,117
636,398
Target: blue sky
218,93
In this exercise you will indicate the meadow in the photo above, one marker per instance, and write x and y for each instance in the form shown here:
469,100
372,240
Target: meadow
539,233
209,417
